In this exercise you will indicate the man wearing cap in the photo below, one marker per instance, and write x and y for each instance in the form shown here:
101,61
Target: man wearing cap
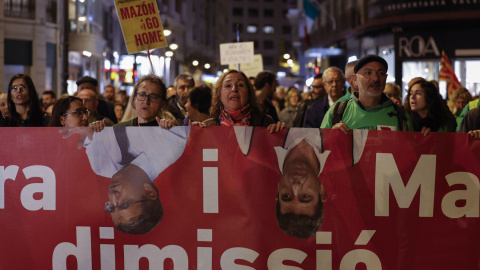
104,108
369,108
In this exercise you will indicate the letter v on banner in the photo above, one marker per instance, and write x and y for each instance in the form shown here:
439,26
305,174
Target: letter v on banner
448,74
141,25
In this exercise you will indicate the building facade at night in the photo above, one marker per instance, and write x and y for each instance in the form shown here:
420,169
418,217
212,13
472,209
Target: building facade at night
31,35
410,35
58,42
264,22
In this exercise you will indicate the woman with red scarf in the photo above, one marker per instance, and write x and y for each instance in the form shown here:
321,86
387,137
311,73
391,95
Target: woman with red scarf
234,104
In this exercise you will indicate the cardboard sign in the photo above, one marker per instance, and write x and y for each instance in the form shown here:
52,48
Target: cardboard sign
141,25
236,53
387,200
250,69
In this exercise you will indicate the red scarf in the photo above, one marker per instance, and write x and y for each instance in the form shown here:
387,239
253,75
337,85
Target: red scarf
235,118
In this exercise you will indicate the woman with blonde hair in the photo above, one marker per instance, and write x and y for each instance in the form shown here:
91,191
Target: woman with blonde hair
459,100
149,101
288,114
394,93
3,109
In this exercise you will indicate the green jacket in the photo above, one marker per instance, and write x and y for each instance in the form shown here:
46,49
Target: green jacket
358,116
470,106
346,96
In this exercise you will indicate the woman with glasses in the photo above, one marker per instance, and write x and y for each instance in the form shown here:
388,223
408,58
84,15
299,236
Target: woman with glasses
149,101
69,112
23,103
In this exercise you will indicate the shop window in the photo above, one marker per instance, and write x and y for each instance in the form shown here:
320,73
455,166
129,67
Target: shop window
286,29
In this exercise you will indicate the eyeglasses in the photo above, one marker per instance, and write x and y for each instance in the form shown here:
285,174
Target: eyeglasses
79,112
337,81
110,208
152,98
18,88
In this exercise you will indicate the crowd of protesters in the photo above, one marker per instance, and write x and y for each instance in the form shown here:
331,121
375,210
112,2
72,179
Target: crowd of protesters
368,103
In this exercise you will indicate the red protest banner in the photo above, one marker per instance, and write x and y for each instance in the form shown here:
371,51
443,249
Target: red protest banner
409,202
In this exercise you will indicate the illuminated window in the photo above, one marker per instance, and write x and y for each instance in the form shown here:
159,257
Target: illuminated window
268,29
252,28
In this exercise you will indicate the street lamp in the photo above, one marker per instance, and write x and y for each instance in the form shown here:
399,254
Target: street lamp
207,66
195,63
286,56
173,46
169,54
166,32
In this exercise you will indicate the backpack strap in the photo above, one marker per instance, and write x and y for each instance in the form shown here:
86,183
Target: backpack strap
338,112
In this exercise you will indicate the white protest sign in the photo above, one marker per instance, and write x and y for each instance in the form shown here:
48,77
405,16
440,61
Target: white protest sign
236,53
250,69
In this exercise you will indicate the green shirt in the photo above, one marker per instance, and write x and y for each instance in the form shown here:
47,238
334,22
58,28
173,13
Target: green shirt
470,106
358,116
346,96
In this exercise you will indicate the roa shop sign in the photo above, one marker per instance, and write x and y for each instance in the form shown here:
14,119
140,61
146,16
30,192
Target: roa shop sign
417,47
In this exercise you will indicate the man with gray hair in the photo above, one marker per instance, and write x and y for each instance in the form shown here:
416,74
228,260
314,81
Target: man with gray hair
176,104
369,108
334,81
349,78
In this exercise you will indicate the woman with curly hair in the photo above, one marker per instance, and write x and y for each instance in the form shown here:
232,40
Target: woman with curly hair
428,112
